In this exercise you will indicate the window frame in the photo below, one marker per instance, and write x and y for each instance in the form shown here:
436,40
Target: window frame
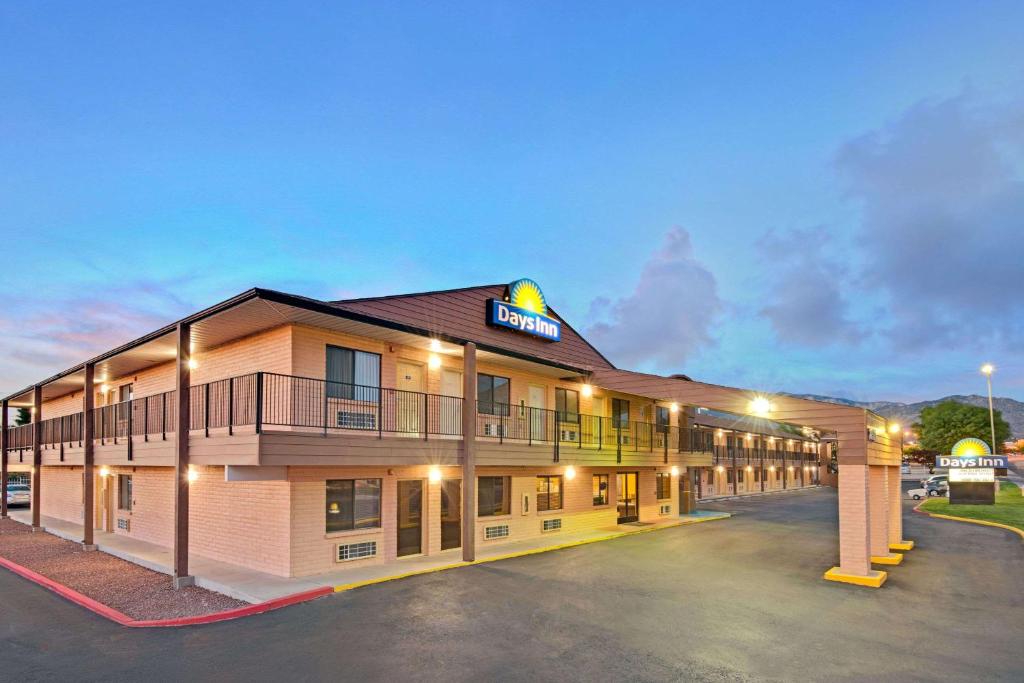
506,497
351,390
605,498
487,407
547,479
562,411
124,493
352,504
663,479
618,413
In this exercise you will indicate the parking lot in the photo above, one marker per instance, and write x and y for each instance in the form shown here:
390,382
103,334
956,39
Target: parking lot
740,599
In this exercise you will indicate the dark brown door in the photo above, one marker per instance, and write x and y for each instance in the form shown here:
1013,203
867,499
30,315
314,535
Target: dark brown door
451,513
410,517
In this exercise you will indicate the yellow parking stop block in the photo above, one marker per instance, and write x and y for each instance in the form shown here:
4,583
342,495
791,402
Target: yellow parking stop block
891,558
902,545
873,579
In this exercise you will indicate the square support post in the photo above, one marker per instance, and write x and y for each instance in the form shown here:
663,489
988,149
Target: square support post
896,540
4,407
878,492
469,409
37,456
855,530
182,423
88,458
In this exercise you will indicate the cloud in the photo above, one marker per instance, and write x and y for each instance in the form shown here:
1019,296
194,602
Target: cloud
943,222
41,334
666,318
804,303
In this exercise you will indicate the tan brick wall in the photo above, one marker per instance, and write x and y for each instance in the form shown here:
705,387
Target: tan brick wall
152,513
61,493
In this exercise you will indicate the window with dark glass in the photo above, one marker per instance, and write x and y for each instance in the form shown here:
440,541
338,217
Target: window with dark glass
549,493
661,418
664,485
620,412
492,393
711,477
567,405
353,504
739,476
728,476
125,392
493,496
600,489
352,374
124,492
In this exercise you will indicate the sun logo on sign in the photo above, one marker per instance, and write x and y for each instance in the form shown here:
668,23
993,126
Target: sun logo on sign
526,294
970,446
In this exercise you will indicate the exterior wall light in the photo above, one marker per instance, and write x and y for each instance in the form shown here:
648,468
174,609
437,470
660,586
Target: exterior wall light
435,474
894,428
193,364
674,408
434,361
720,468
570,472
104,388
435,345
193,474
771,468
760,406
674,471
587,390
104,471
749,468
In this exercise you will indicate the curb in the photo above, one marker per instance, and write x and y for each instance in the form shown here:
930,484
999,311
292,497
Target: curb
522,553
982,522
124,620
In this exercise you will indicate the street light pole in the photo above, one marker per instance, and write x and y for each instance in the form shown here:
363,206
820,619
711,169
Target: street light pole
987,369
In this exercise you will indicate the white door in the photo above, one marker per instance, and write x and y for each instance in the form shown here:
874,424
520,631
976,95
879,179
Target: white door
449,408
593,424
538,417
409,399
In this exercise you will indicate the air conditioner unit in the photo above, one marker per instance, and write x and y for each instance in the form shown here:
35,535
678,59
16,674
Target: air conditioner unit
347,552
625,439
493,532
666,509
552,525
568,435
495,429
348,419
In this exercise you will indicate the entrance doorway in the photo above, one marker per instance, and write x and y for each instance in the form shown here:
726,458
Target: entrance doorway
407,399
410,517
626,488
451,513
537,418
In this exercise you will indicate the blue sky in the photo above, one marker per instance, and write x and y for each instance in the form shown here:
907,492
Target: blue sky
819,197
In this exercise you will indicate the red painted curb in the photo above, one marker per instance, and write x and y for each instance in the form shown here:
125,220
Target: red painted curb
124,620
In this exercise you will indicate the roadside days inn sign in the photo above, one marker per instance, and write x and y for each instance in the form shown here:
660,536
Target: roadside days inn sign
524,310
970,453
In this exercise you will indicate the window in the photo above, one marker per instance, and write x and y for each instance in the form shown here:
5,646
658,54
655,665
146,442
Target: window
600,489
711,477
124,492
757,475
728,476
661,419
739,476
353,504
492,394
567,405
549,493
493,496
353,375
620,413
125,393
664,485
778,475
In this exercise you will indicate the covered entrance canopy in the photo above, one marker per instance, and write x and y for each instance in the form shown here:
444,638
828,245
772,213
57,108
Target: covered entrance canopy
869,482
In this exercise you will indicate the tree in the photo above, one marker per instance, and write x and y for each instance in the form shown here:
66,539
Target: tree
23,417
944,424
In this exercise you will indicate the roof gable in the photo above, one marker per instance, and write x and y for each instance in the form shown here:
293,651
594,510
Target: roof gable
462,313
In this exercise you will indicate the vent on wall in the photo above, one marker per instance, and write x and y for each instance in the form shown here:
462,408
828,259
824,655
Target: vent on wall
492,532
356,551
568,435
124,524
666,509
495,429
552,525
348,419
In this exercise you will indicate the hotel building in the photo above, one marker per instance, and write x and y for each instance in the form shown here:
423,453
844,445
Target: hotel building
295,436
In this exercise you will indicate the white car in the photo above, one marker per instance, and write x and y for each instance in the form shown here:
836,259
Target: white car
918,494
18,494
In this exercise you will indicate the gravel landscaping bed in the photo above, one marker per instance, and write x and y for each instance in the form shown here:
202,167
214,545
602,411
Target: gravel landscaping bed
136,591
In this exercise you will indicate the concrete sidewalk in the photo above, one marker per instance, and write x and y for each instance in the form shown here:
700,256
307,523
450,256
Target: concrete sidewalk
254,586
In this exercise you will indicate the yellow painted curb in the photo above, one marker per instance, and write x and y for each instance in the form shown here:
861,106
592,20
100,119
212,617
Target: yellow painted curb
983,522
521,553
874,579
891,558
902,545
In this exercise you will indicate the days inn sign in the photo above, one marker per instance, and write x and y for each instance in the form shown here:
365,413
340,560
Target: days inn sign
524,310
970,453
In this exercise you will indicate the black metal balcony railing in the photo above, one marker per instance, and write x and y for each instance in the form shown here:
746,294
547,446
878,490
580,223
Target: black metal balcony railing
264,399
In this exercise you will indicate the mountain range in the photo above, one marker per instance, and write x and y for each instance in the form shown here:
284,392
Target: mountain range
908,413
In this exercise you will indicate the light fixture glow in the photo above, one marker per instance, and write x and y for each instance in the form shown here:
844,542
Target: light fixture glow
720,468
987,369
674,408
193,364
895,427
435,474
587,390
749,468
193,474
104,471
674,471
570,472
760,406
434,361
104,388
771,468
435,344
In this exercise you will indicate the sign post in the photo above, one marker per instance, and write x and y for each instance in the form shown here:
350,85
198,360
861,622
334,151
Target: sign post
972,472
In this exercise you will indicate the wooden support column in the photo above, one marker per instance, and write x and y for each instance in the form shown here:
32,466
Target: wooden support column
469,409
37,457
88,456
4,407
182,422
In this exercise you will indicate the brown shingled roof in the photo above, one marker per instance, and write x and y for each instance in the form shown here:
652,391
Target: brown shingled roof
462,313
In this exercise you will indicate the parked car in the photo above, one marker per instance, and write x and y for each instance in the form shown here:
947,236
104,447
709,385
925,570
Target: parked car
935,478
18,494
918,494
937,488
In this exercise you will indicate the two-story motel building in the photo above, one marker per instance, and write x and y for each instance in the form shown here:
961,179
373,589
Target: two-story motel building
295,436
